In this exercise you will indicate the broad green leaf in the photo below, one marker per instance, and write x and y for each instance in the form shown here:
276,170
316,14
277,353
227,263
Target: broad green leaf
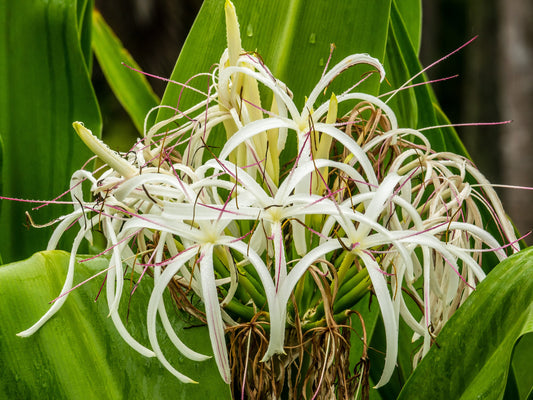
78,354
289,39
404,102
369,311
521,365
411,14
45,86
85,25
400,44
1,185
473,354
401,55
131,88
406,349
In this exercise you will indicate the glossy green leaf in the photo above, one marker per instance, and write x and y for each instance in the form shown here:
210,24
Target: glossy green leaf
78,354
521,365
45,86
404,102
287,36
85,28
473,355
131,88
411,15
403,60
1,185
402,56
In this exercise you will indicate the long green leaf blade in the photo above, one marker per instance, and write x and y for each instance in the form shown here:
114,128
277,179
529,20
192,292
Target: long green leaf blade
411,14
85,24
131,88
288,38
45,87
474,349
78,354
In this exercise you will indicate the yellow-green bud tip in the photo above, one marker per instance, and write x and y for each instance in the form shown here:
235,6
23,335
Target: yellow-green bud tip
103,152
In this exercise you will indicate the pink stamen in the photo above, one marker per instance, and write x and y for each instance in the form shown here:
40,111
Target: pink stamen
494,215
258,60
360,81
363,183
242,237
270,113
494,249
88,161
430,66
458,273
331,49
81,283
503,186
465,124
112,247
183,85
139,216
217,208
75,222
419,84
101,287
45,202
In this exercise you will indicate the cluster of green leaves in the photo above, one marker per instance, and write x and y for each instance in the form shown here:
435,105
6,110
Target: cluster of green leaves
45,68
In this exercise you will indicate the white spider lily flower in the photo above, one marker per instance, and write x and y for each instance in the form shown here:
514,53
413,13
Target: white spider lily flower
239,231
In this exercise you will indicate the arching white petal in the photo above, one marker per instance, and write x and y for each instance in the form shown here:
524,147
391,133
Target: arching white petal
387,312
215,324
153,305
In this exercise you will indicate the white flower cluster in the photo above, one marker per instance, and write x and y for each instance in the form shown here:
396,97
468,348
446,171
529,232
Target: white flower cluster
411,216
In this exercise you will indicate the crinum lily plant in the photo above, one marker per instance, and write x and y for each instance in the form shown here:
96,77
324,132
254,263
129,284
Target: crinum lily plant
272,245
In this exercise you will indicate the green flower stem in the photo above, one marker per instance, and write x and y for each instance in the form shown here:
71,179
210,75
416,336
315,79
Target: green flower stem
251,286
351,281
345,269
348,302
349,294
242,294
351,298
220,267
304,295
244,312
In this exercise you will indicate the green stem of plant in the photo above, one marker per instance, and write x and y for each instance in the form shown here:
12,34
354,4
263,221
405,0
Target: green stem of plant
353,296
351,281
348,295
244,312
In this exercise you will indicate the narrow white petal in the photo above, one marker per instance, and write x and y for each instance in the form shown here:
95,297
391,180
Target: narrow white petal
66,287
279,255
344,64
387,312
250,130
215,324
153,306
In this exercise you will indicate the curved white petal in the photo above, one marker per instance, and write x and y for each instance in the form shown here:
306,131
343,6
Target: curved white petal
153,306
215,324
64,291
387,312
